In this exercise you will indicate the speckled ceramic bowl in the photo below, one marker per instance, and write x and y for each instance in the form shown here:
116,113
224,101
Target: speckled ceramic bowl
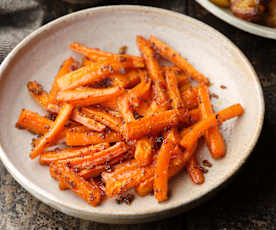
39,56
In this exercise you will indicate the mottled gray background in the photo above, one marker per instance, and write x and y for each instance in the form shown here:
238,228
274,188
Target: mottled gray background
249,201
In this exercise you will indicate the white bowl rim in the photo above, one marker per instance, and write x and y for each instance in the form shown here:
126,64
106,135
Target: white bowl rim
250,27
70,210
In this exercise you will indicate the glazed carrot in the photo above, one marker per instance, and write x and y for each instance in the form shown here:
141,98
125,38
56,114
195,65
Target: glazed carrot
33,122
152,124
98,158
143,151
143,108
215,119
152,64
194,172
87,138
173,90
86,61
89,191
170,54
162,167
61,154
64,69
128,80
125,108
99,55
38,94
192,117
62,186
80,117
190,98
54,131
88,96
213,136
182,79
103,117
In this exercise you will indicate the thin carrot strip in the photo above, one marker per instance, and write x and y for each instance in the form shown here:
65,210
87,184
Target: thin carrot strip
61,154
194,172
54,131
212,121
143,151
38,94
170,54
213,136
125,108
127,80
190,97
89,191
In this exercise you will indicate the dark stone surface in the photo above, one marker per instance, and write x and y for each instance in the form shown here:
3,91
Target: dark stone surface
248,202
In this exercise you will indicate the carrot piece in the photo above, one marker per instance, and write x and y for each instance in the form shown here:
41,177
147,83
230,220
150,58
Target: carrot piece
88,96
33,122
111,104
89,191
130,79
143,108
194,172
170,54
103,117
213,136
192,117
213,120
162,167
99,55
125,108
182,79
61,154
86,61
54,131
80,117
62,186
152,124
38,94
87,138
173,90
190,97
143,151
64,69
98,158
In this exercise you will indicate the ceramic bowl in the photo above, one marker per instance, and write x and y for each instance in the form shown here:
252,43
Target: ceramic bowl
39,56
227,16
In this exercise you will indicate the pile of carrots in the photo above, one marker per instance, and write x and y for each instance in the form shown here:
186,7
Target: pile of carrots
127,121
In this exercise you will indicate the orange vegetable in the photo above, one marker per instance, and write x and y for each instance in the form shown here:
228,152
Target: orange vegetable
99,55
143,151
194,172
213,136
38,94
125,108
88,96
130,79
170,54
89,191
215,119
61,154
80,117
190,98
54,131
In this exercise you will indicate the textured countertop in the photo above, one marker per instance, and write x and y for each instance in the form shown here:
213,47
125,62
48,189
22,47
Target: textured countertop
248,202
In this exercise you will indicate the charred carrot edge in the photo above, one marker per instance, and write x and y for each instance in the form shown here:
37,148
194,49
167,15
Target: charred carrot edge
54,131
213,136
103,117
88,96
96,54
61,154
143,151
38,94
130,79
173,89
170,54
98,158
64,69
190,98
74,138
212,121
89,191
162,167
78,116
194,172
152,124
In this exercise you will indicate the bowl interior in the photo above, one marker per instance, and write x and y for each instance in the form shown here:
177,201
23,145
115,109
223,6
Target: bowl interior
39,57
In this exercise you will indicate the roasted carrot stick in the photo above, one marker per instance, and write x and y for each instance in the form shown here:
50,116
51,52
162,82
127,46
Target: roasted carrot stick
88,96
86,61
38,94
125,108
215,119
152,124
213,136
143,151
103,117
192,117
64,69
54,131
89,191
80,117
194,172
111,104
74,138
170,54
130,79
99,55
61,154
190,97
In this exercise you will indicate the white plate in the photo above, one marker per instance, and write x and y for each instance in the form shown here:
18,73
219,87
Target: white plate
39,56
227,16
